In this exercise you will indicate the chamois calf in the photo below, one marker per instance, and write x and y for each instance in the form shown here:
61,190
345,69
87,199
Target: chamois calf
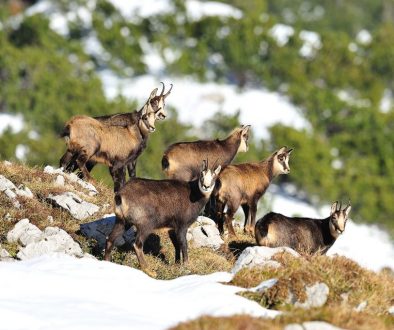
182,160
88,139
243,185
304,235
156,102
153,204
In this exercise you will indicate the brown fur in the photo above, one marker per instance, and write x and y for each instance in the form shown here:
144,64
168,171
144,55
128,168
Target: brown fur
182,160
304,235
243,185
154,204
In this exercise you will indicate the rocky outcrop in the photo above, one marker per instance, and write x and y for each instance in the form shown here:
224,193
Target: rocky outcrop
260,256
35,242
12,192
71,177
71,202
316,296
100,229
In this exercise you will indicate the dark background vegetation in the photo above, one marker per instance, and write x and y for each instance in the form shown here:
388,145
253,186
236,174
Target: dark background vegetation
48,78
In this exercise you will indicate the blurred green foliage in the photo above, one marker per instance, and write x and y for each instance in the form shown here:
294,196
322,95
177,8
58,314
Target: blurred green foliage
346,154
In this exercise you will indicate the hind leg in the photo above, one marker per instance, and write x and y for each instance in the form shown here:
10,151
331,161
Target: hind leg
138,245
117,231
229,215
250,227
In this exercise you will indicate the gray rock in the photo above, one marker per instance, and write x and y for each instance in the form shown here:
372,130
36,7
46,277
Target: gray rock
391,310
24,233
100,229
201,221
205,236
71,177
53,239
260,256
12,192
264,285
4,255
59,181
361,306
77,207
312,325
316,296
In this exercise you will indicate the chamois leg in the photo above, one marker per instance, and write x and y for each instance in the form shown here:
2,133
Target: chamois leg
249,228
231,209
182,244
219,215
117,230
81,160
119,177
139,246
68,161
246,209
131,169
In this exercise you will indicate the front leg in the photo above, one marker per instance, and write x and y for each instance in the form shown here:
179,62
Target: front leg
253,210
131,168
118,177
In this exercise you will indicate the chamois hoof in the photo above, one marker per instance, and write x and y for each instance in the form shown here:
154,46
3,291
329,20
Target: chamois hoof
149,272
249,231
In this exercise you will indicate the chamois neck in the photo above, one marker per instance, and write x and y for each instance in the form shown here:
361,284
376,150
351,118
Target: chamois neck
196,196
144,131
267,166
328,237
231,144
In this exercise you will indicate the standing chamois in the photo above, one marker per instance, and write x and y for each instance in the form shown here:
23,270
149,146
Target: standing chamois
157,103
154,204
88,139
182,160
243,185
304,235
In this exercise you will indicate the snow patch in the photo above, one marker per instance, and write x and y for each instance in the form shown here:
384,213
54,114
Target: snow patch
364,37
312,43
62,292
196,10
14,122
281,33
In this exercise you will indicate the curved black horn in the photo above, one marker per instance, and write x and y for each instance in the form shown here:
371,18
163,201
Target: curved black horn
340,206
169,91
162,91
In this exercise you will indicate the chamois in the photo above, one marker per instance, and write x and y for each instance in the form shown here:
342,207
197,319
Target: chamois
182,160
157,103
243,185
304,235
116,146
154,204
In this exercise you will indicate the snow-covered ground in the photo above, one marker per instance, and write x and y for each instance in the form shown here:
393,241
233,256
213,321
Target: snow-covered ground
62,292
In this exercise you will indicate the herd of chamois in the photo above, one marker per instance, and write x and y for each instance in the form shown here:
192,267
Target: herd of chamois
199,175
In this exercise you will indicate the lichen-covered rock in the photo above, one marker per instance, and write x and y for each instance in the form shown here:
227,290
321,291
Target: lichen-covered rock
77,207
72,177
260,256
24,233
100,229
316,296
312,325
12,192
53,239
205,236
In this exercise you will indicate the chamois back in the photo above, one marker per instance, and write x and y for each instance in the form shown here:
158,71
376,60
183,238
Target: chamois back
182,160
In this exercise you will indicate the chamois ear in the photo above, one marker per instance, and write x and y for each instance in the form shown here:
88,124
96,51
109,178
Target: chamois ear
347,210
245,129
217,170
334,207
153,94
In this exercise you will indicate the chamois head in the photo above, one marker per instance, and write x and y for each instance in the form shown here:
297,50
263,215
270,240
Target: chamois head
148,117
207,178
281,161
244,132
158,102
338,218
